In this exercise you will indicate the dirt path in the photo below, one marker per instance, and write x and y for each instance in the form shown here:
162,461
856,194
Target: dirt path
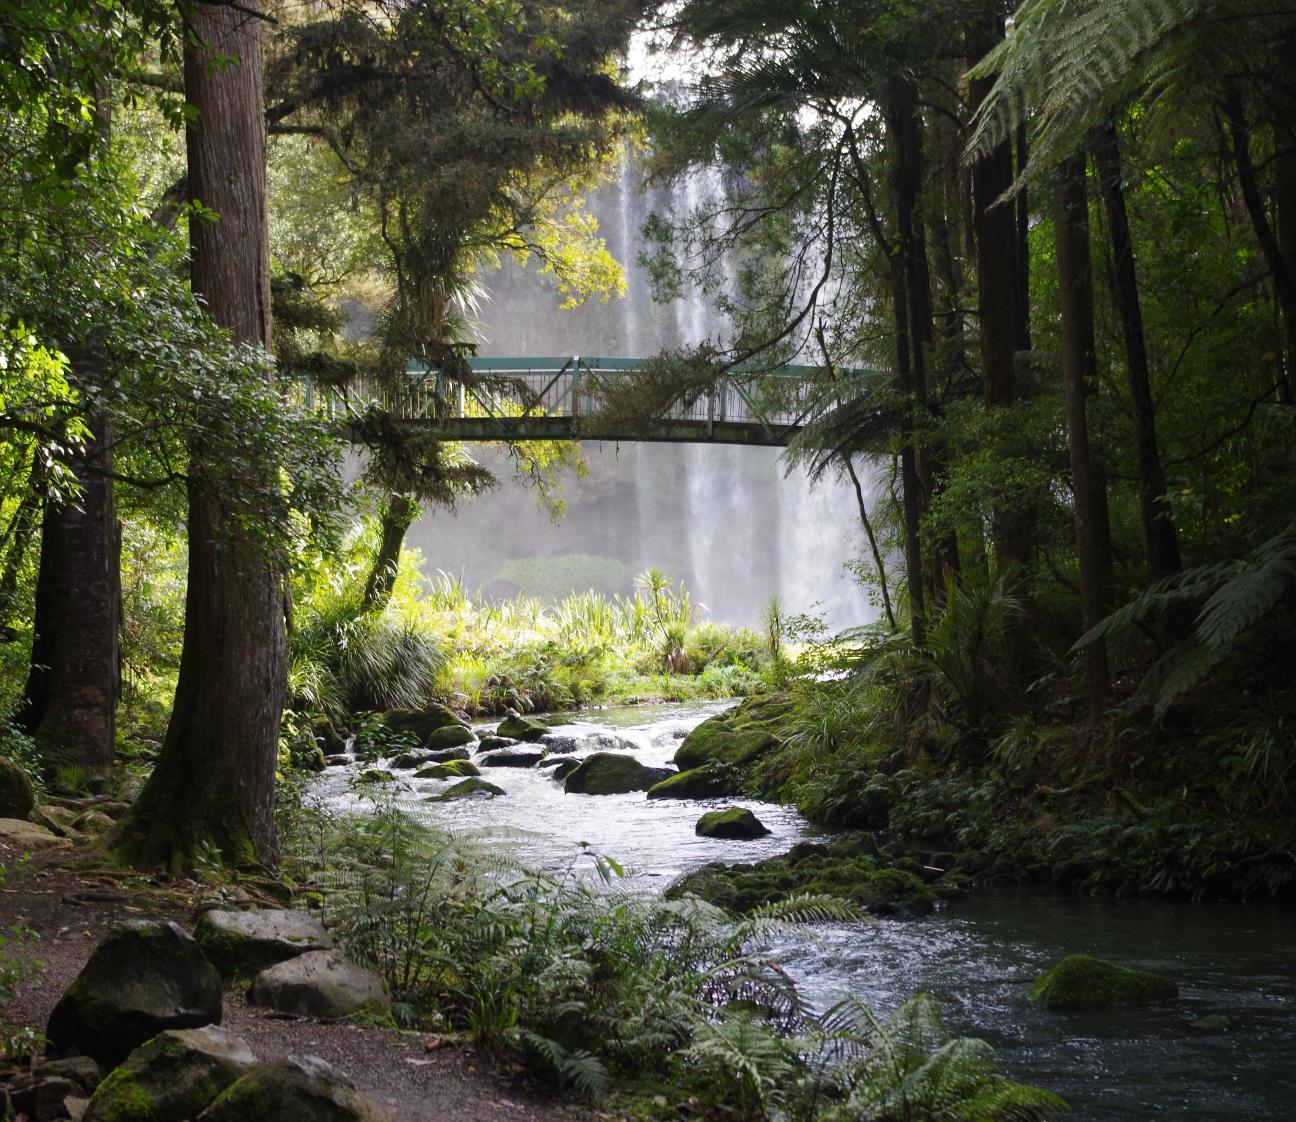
70,905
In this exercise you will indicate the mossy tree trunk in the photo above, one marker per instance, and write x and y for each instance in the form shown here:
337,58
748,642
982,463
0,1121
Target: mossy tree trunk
399,513
69,703
214,781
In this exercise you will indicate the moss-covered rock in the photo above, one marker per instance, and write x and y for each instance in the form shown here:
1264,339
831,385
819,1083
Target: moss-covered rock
377,775
242,944
737,822
319,984
142,979
561,768
611,773
171,1078
1082,982
738,737
859,877
467,789
326,736
711,782
517,727
30,835
449,736
93,822
455,769
421,723
16,794
491,743
298,1089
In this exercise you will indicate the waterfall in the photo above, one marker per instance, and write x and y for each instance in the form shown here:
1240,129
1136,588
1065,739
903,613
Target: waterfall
722,518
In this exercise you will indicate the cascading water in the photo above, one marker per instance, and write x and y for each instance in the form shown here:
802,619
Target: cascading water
722,518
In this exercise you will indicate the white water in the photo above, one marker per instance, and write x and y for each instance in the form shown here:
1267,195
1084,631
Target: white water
722,518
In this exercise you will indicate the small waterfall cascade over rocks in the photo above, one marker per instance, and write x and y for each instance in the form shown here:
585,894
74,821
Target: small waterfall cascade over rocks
722,518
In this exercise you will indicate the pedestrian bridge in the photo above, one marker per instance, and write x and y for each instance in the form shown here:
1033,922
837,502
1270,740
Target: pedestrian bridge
567,398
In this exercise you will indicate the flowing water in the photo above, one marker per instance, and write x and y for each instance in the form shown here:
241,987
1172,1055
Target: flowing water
976,955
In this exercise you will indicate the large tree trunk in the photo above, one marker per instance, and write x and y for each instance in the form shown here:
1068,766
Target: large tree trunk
1162,543
398,514
214,780
1079,364
998,280
867,523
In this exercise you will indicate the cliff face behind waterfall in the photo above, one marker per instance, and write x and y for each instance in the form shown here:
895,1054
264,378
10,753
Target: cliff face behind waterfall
721,518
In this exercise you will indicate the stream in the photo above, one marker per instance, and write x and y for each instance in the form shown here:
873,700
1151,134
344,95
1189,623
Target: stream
976,955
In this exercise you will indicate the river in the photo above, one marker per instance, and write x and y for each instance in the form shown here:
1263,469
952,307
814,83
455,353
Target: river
977,955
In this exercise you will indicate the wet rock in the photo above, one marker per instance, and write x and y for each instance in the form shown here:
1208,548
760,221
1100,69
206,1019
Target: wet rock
142,979
561,743
561,767
377,775
491,742
1080,981
449,736
319,984
1214,1022
16,794
445,755
467,789
455,769
611,773
340,760
298,1089
421,723
172,1077
242,944
736,822
312,759
512,757
518,727
610,742
326,736
407,760
710,782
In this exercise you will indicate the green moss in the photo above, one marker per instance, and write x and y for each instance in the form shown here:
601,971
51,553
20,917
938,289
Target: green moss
710,782
454,769
1082,982
736,822
465,789
610,773
451,736
120,1098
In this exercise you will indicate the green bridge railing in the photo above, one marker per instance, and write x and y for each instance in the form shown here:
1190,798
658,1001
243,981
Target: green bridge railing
562,398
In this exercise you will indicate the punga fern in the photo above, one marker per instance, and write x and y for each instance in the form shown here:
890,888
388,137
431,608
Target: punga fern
1232,600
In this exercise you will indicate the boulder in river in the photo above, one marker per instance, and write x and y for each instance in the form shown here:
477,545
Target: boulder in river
467,789
142,979
512,757
490,742
736,822
298,1089
1080,981
561,743
612,773
172,1077
377,775
519,727
449,736
242,944
454,769
710,782
738,737
340,760
421,723
16,794
562,767
319,984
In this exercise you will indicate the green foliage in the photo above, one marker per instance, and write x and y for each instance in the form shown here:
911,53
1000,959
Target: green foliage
553,578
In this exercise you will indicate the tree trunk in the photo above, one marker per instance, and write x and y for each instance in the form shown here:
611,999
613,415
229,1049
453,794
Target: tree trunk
69,704
214,781
398,514
1280,264
1285,195
997,287
1021,279
872,540
17,541
1162,542
1079,366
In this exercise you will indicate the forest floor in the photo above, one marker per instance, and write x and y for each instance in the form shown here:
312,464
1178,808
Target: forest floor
68,901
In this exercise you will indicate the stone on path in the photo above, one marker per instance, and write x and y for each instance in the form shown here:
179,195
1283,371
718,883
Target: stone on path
298,1089
319,984
735,822
16,795
611,773
28,835
242,944
143,978
172,1077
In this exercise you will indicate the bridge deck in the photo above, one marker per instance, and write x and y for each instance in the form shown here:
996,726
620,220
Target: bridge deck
561,398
